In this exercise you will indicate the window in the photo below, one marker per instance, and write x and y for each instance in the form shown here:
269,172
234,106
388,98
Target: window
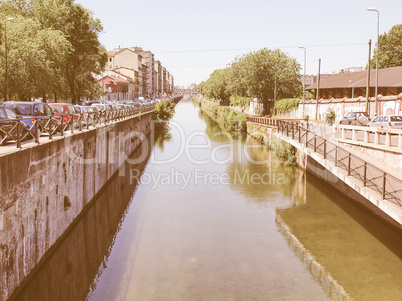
10,114
58,109
39,109
48,110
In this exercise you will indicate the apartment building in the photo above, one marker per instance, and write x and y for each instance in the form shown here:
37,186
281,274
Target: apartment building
158,78
148,61
149,77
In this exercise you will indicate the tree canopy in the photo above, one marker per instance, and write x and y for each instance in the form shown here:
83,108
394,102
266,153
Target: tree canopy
390,49
264,74
53,50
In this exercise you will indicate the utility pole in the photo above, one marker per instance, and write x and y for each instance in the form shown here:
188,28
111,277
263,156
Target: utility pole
318,89
368,81
378,53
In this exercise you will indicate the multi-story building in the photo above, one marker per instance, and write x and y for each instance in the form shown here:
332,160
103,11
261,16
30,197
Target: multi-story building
148,76
158,78
129,63
164,81
148,70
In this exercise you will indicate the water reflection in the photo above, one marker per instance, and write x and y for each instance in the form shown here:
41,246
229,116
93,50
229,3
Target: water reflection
162,133
342,253
256,167
84,252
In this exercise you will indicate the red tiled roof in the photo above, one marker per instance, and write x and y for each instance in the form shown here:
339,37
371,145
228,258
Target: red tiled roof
118,79
115,79
387,77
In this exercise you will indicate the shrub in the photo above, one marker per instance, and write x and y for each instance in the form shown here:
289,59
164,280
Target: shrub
164,110
240,101
286,105
330,116
285,152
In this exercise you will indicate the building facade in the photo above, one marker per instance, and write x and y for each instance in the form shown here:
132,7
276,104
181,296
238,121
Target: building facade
148,77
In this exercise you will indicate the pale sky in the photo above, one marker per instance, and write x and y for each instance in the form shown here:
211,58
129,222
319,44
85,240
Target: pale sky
193,38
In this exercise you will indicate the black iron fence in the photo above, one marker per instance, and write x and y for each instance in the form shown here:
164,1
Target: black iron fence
371,176
22,129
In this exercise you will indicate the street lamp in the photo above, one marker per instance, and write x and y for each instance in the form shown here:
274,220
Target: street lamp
5,45
378,52
304,78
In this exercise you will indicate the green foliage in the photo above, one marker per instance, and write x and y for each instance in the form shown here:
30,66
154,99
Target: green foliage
164,110
257,72
229,119
54,50
240,101
285,152
309,95
330,115
286,105
390,49
235,121
255,75
257,111
216,86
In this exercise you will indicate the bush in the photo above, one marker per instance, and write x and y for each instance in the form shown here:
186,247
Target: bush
285,152
164,110
286,105
233,121
330,116
240,101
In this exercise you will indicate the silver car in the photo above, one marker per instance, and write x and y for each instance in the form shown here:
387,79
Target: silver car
384,121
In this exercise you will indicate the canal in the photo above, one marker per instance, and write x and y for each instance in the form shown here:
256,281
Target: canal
212,216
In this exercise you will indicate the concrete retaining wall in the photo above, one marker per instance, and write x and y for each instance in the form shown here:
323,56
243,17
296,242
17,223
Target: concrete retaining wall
44,188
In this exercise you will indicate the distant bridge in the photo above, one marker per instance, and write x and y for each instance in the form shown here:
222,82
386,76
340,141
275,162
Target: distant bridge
184,91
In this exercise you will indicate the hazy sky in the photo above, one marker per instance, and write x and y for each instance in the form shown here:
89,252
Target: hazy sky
193,38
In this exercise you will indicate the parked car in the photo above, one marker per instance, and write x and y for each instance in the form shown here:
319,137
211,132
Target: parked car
29,111
64,110
355,118
8,126
83,113
384,121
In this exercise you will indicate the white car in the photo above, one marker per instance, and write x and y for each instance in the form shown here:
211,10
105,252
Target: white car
384,121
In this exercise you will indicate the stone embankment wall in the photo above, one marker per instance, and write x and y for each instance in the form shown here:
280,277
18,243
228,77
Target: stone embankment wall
45,188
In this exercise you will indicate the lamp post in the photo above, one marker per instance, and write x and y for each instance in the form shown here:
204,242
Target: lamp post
5,45
304,78
378,52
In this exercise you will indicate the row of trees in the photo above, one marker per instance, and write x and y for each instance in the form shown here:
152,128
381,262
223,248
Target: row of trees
264,74
53,50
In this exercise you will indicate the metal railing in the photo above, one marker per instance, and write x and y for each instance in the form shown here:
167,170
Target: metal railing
22,129
389,187
269,120
263,120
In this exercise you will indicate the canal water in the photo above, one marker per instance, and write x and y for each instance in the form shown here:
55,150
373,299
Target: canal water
207,215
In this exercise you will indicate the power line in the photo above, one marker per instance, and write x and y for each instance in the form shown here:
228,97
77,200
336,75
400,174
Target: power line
242,49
